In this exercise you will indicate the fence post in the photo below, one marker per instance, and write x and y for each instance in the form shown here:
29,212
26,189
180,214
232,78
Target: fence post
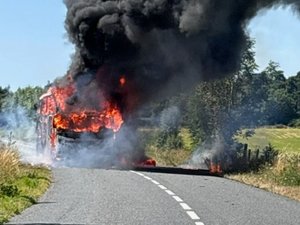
249,155
256,155
245,150
267,154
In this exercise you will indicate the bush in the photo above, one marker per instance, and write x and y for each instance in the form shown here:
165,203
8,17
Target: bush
187,139
168,140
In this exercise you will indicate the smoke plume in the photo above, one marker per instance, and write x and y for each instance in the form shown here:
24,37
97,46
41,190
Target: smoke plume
161,45
154,47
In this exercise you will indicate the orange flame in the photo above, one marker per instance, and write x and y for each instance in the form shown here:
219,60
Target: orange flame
215,168
89,121
79,118
122,81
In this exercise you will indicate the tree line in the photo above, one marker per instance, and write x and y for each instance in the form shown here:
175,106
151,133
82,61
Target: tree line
223,107
23,100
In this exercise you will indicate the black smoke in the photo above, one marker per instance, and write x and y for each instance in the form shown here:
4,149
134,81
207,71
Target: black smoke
160,45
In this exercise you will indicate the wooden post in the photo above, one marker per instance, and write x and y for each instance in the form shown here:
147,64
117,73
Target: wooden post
249,155
256,155
267,154
245,153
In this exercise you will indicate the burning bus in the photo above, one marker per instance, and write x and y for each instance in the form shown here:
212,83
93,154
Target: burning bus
72,117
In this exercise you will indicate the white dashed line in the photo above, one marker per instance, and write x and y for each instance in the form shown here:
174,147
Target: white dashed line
193,215
199,223
170,192
138,173
177,199
162,187
155,182
185,206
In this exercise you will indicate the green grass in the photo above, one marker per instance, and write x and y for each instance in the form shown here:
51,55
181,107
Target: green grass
20,185
23,191
283,139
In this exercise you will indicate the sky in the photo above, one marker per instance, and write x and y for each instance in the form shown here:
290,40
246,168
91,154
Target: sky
34,48
277,36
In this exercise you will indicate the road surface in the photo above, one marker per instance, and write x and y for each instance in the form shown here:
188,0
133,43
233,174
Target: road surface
98,196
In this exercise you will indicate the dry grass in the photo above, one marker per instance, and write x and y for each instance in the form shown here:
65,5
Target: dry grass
172,157
282,178
9,163
287,159
257,180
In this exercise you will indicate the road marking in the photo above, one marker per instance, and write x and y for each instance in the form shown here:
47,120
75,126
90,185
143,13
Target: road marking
185,206
170,192
138,173
199,223
154,181
193,215
162,187
177,198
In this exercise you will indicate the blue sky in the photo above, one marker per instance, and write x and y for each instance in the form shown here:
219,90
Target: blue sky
277,35
33,44
34,47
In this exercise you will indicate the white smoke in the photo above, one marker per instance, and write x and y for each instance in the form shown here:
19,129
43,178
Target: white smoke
18,129
208,151
111,150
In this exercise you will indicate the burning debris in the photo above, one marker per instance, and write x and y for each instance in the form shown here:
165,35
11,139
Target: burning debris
131,51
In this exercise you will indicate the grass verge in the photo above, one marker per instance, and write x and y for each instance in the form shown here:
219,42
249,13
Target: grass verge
20,185
282,178
172,157
166,156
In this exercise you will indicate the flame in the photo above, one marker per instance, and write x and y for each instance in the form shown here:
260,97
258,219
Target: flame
89,121
79,118
215,168
122,81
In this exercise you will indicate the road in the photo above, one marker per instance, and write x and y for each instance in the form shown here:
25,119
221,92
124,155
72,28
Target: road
98,196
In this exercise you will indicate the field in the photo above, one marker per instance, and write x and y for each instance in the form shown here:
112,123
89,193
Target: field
283,139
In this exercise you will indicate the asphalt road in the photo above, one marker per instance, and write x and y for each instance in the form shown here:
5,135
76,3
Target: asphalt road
98,196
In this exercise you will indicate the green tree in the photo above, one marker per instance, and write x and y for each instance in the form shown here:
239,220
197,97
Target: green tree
280,107
4,93
26,98
293,89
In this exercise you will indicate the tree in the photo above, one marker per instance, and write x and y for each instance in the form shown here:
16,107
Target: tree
4,93
280,103
293,89
26,98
